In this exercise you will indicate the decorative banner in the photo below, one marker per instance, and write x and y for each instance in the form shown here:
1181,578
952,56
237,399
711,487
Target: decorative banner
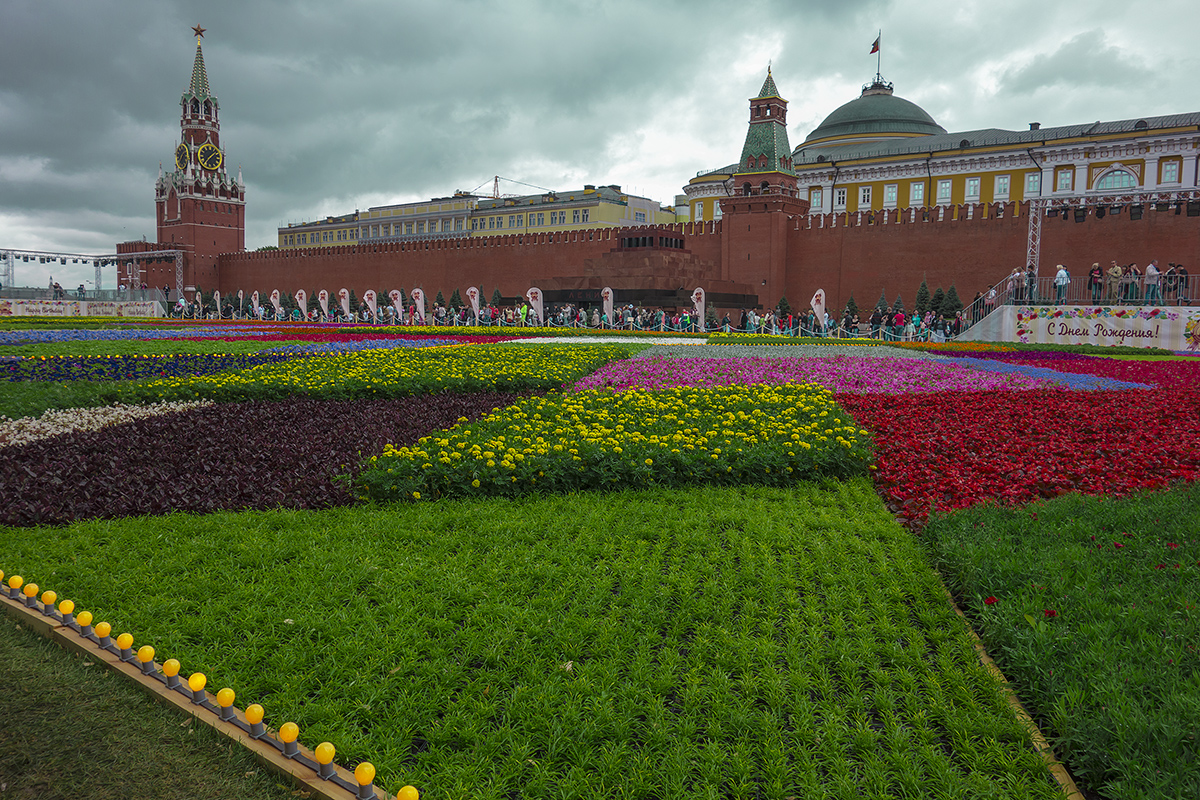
344,299
606,294
369,299
818,306
254,306
1175,328
473,297
198,299
217,302
241,300
398,304
323,299
302,303
698,302
418,296
275,302
534,296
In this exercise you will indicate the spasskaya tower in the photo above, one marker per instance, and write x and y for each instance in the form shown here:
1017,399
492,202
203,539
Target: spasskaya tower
199,207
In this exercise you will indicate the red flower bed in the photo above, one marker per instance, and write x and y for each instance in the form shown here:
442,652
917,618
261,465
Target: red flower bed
955,449
334,336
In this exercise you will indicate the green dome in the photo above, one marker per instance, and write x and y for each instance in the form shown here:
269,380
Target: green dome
876,114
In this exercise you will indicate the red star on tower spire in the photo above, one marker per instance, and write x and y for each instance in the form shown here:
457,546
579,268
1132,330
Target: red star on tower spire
199,31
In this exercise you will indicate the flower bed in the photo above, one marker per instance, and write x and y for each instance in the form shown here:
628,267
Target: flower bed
73,420
397,373
755,434
1167,374
839,373
237,456
955,449
125,368
1093,616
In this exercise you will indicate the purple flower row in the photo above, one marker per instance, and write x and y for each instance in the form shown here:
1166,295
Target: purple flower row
127,368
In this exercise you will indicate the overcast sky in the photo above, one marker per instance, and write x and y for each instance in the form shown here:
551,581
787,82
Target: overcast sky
333,106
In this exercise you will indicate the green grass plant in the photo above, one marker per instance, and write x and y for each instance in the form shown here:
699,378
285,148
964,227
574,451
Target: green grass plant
398,372
1113,674
33,398
601,439
709,643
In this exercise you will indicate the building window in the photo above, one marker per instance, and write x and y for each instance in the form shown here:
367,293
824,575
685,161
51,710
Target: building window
1170,172
944,191
575,217
541,220
814,198
585,215
864,196
408,228
420,227
1117,179
916,193
839,198
1066,180
519,218
972,188
890,193
698,212
458,224
1001,186
639,216
1033,184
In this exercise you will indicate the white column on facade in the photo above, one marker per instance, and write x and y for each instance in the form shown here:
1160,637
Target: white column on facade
1187,172
1150,179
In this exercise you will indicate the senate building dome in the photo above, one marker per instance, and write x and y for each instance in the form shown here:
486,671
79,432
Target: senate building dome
876,115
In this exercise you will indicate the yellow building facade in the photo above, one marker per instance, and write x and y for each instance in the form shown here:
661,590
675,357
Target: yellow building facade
471,215
880,151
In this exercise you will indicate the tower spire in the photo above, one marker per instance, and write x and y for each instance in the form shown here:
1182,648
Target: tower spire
199,85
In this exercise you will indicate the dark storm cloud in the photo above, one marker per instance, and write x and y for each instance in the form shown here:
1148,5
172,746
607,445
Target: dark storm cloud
1085,61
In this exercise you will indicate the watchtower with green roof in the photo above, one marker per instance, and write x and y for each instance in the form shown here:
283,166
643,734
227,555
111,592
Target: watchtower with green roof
766,163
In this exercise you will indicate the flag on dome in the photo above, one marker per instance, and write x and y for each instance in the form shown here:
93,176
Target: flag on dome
875,46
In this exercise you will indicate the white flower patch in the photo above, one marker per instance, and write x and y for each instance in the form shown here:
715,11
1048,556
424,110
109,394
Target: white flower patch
72,420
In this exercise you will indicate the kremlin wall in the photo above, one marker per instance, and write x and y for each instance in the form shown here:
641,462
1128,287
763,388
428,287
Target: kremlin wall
845,212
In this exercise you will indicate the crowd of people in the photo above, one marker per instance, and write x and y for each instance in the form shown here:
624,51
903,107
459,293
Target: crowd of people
1119,284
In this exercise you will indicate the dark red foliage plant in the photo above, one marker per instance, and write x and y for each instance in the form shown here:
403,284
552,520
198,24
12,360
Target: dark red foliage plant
227,456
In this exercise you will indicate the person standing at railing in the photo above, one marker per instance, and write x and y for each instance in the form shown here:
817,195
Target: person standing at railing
1153,295
1112,283
1031,294
1095,281
1181,285
1013,287
876,323
1061,281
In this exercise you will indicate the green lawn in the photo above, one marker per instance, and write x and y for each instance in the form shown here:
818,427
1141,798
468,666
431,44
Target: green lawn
1113,675
716,643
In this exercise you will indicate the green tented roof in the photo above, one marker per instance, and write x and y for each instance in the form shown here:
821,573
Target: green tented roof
199,85
768,87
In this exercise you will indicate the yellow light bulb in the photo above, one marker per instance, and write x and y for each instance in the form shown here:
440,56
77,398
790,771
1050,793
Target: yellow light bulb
15,582
171,667
225,697
125,641
66,607
324,753
49,598
103,629
197,681
84,619
408,793
31,590
254,714
145,654
1,574
288,732
364,773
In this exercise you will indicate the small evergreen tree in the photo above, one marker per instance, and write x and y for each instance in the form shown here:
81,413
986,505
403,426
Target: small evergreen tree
456,301
354,304
937,301
441,301
882,304
710,317
952,305
784,308
899,304
497,298
923,298
851,306
405,300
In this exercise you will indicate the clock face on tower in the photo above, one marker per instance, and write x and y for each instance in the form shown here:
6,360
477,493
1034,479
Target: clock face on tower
181,156
209,156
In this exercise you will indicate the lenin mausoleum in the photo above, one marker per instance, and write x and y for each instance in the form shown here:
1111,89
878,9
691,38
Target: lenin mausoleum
874,200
